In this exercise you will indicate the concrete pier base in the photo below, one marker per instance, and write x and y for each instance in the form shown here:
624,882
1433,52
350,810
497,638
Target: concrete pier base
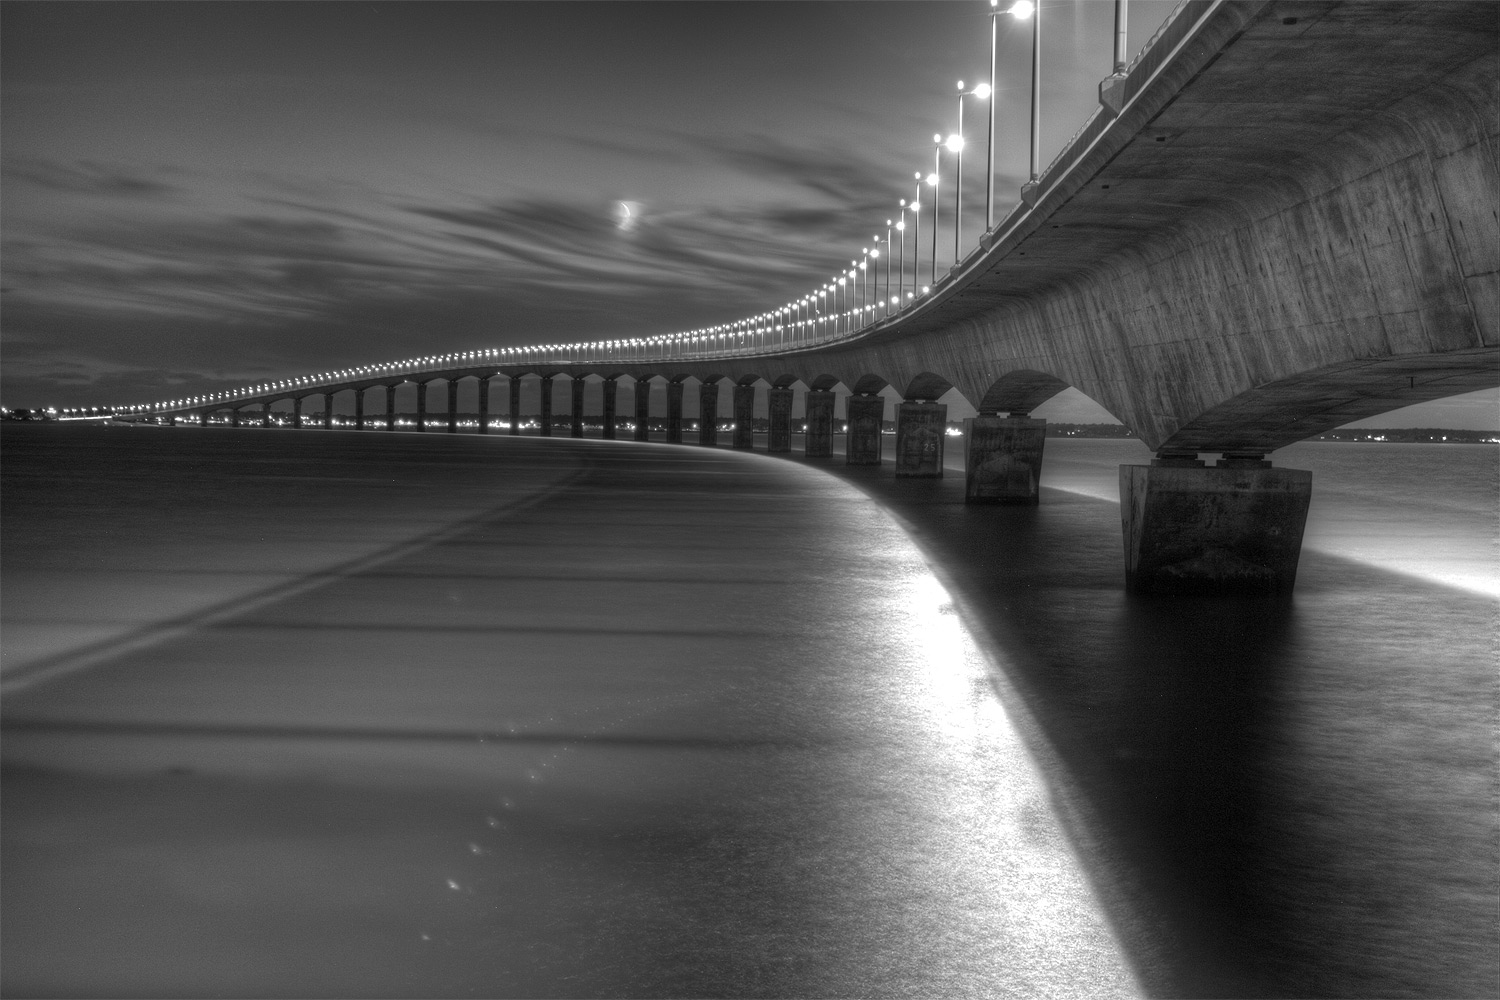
611,389
546,421
744,417
865,415
453,406
421,407
296,413
643,409
921,429
575,410
708,414
359,409
327,411
390,407
1003,458
818,442
779,410
265,415
234,418
484,405
674,413
1235,528
515,404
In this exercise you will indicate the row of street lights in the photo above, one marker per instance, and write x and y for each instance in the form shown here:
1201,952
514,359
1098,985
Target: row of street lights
847,302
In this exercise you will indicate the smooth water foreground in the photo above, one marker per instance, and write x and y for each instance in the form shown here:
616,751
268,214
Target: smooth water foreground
343,714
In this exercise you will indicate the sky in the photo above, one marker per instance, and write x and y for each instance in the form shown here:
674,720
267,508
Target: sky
200,195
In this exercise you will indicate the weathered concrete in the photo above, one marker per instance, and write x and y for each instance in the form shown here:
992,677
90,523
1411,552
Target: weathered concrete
453,406
779,411
708,414
643,409
546,421
327,411
818,442
296,413
921,429
515,404
864,416
421,406
390,407
1235,528
610,387
744,416
674,412
575,428
359,409
1003,458
484,405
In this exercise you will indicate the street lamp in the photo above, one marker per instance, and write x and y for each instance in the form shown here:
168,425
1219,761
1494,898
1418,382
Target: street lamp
982,91
901,227
933,179
1021,10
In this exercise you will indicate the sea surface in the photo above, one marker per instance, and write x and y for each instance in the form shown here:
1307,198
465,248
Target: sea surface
942,752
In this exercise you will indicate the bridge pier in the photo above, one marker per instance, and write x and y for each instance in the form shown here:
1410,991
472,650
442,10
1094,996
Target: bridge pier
708,414
203,417
484,404
864,416
359,409
422,407
921,430
296,413
1234,528
744,417
453,406
575,409
234,416
1003,458
265,415
674,413
546,387
328,411
611,405
390,407
818,442
515,404
643,409
779,410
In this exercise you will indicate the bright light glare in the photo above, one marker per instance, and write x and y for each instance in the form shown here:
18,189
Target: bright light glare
982,91
955,143
1022,9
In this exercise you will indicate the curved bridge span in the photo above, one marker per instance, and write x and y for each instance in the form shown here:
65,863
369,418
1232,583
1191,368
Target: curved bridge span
1286,217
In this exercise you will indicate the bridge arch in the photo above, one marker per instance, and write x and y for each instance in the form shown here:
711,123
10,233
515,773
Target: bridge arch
822,383
926,386
869,385
1020,391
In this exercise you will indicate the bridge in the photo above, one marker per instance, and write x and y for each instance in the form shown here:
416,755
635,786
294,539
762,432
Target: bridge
1283,216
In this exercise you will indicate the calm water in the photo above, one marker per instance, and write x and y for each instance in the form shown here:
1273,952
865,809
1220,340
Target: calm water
1260,798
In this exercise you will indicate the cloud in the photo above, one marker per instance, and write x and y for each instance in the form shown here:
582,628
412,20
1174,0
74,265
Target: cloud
85,177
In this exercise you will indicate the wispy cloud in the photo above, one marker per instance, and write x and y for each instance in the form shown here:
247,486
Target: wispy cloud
85,177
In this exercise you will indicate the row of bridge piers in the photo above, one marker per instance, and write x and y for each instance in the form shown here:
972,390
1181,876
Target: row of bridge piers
1189,528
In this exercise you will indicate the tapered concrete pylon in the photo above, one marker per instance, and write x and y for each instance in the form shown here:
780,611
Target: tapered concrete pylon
1235,528
575,410
819,440
546,386
674,413
515,404
744,416
296,413
779,412
484,404
327,410
453,406
359,409
390,407
421,407
610,387
708,414
866,414
921,429
1003,458
643,409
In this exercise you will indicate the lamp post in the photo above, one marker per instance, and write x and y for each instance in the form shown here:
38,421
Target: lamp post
1021,10
916,240
901,227
933,179
982,91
